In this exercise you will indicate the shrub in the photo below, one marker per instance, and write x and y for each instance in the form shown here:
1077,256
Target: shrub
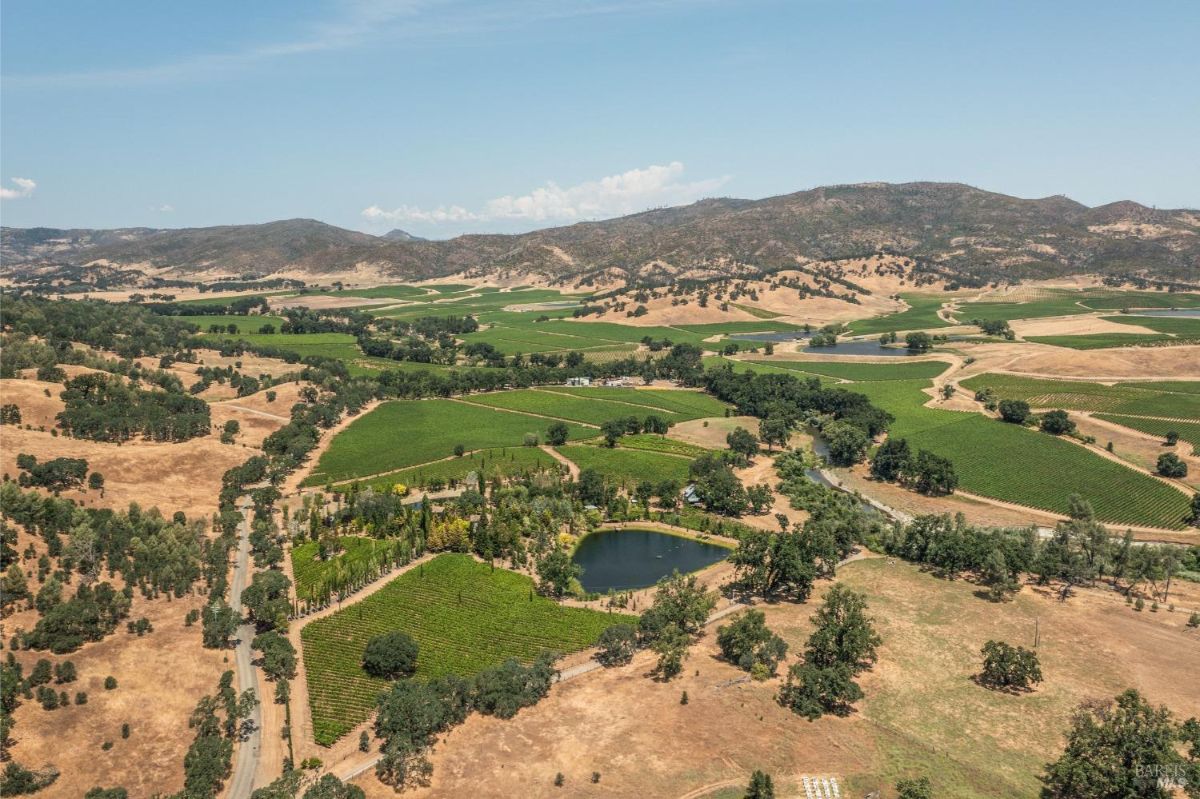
81,698
1014,411
110,682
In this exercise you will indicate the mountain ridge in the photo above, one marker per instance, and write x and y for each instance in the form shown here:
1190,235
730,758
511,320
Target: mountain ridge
950,227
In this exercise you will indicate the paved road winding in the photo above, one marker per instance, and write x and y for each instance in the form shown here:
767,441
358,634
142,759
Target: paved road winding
241,785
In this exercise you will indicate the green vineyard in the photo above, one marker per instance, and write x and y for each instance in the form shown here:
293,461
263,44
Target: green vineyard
464,616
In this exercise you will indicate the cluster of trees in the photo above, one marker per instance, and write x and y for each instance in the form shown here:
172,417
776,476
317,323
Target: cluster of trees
57,474
1080,551
298,785
923,471
995,327
722,491
613,429
413,712
842,645
1127,747
668,627
1057,422
105,408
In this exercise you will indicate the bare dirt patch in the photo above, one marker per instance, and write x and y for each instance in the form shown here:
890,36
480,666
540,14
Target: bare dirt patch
711,432
1072,326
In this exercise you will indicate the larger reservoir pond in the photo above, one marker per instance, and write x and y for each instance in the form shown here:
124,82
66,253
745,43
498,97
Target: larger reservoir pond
622,560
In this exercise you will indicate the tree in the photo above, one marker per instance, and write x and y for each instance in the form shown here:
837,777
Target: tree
1015,411
931,474
616,645
556,572
612,430
771,564
891,459
919,342
742,442
997,576
278,655
96,481
847,443
760,787
1195,511
1172,438
266,599
1119,749
503,690
671,647
1057,423
812,691
918,788
557,433
590,488
390,656
218,625
844,633
1009,668
1170,465
774,431
748,643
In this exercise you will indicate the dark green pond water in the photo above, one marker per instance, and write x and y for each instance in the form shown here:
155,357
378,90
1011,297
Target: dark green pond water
634,558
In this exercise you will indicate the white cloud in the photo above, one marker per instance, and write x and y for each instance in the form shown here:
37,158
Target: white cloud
165,208
615,195
24,188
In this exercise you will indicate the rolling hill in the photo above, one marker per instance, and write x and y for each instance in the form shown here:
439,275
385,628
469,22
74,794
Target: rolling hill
950,229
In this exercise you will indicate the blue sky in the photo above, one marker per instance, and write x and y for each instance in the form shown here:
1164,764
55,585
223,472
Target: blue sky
442,117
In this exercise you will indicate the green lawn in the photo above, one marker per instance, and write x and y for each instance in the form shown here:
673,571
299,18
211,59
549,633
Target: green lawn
405,433
628,466
1016,464
920,315
464,616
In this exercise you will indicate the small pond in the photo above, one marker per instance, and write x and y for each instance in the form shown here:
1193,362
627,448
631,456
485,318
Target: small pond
638,558
870,347
1184,312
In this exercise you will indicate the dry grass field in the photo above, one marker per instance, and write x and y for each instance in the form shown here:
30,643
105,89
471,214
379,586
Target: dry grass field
922,713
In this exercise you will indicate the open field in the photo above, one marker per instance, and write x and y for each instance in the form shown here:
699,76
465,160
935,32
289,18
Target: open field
1188,431
464,616
628,466
1014,464
341,346
922,314
1102,341
922,715
498,461
1129,398
387,438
